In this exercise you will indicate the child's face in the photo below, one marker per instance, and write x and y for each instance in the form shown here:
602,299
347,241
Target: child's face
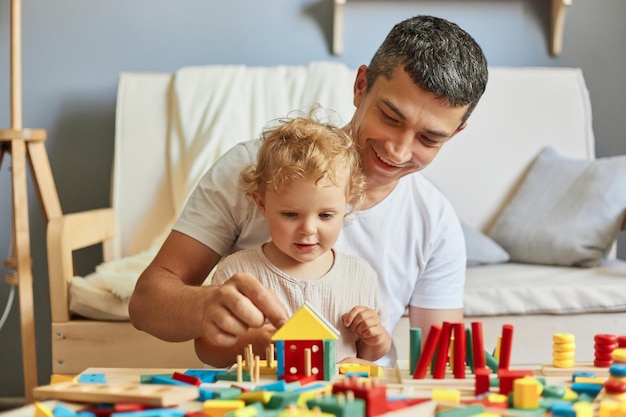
305,219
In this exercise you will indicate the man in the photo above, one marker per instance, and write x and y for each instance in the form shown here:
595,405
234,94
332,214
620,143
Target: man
417,93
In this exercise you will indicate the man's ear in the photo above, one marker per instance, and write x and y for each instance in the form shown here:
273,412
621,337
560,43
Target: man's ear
258,200
360,85
458,129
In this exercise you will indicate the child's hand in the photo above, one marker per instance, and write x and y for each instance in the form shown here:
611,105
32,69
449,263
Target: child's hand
375,341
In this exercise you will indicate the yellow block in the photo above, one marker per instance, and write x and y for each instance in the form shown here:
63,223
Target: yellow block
608,409
564,347
42,411
56,379
487,414
304,412
305,324
570,395
496,353
497,398
563,356
526,393
563,338
370,370
447,395
590,379
619,355
262,397
219,408
583,409
568,363
308,395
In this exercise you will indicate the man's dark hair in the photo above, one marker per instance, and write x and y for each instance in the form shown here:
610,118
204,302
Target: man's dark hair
438,55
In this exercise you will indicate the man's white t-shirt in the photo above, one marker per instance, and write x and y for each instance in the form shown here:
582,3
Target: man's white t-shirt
413,238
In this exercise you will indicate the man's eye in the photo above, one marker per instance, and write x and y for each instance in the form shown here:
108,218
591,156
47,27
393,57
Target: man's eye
430,142
389,118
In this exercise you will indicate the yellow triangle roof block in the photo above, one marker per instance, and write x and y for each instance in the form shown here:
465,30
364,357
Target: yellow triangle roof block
306,324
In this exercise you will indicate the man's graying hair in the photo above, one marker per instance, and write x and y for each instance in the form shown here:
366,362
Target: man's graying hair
438,55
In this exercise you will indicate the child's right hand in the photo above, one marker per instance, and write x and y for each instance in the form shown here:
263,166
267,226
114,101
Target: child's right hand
375,340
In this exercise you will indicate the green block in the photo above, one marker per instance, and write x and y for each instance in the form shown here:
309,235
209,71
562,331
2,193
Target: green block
466,411
254,409
585,398
553,391
518,412
547,402
330,363
147,378
340,407
232,376
230,393
469,349
492,362
281,400
415,347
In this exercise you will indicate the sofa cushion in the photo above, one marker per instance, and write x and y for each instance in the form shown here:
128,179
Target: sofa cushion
481,249
514,288
566,211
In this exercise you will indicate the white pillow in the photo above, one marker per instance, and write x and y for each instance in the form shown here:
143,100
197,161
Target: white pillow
481,249
566,212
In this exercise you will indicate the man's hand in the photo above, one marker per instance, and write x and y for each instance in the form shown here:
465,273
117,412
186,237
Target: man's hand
238,305
375,340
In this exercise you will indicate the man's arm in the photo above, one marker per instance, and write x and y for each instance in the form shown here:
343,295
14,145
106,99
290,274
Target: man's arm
424,318
169,303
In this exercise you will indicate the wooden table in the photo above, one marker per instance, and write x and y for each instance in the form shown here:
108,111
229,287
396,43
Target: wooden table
398,381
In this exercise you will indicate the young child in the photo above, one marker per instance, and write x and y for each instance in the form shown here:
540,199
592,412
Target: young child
306,180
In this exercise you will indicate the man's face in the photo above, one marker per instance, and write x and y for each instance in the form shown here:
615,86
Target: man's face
399,128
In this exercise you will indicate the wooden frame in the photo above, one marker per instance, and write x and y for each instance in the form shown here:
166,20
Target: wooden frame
25,145
81,343
557,24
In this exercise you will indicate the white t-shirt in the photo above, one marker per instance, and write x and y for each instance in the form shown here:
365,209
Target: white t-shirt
413,238
350,282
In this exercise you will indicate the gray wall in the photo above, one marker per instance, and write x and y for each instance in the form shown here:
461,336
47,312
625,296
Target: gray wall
73,51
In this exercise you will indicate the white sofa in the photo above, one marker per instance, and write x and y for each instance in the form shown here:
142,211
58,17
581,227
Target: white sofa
170,127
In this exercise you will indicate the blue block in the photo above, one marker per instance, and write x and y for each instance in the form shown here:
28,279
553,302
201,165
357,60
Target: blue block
562,410
92,379
357,374
589,389
208,376
310,387
618,370
582,373
160,379
203,394
278,386
152,412
61,410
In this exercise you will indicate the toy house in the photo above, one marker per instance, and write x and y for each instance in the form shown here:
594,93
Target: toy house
306,346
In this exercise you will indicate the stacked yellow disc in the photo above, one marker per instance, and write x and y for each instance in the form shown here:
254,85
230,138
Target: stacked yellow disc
563,350
619,355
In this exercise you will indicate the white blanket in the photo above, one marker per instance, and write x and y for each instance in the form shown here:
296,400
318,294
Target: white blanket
216,107
212,109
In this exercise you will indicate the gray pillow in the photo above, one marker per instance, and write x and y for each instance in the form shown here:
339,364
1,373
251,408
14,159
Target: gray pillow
481,249
566,212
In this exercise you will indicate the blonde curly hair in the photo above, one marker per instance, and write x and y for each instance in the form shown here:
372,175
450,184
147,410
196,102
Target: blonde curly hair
305,147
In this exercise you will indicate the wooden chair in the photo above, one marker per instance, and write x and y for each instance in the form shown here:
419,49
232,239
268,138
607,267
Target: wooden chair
79,343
